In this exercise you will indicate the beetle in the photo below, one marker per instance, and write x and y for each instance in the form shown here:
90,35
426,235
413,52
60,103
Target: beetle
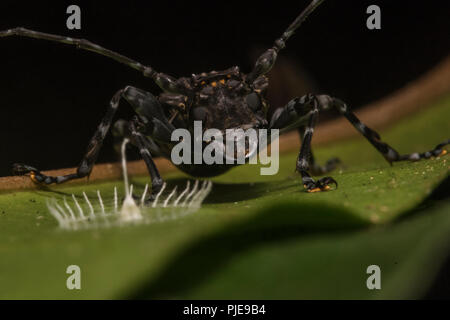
219,99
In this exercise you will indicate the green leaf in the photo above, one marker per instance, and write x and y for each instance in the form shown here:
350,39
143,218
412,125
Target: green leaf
296,240
286,259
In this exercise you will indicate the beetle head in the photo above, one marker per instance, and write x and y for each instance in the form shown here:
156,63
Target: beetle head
226,102
223,100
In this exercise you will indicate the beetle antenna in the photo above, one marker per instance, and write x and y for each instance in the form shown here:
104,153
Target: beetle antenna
281,42
164,81
266,61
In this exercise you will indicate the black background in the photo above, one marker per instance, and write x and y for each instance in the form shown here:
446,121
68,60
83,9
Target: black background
53,96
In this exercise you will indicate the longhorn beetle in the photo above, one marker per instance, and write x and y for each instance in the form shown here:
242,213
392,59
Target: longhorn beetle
220,99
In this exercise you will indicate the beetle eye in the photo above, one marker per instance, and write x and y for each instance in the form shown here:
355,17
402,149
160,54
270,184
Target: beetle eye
253,101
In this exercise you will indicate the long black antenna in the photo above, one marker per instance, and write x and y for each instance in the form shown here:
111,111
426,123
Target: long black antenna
166,82
266,61
281,42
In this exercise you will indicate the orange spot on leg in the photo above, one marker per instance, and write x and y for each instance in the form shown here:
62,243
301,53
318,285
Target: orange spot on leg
33,177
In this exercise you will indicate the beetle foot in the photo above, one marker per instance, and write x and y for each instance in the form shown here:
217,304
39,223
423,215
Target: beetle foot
20,169
322,184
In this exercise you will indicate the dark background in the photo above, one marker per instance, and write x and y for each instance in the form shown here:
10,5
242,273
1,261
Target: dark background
53,96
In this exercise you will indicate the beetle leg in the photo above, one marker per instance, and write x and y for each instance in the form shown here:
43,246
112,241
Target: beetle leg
177,106
144,146
315,168
87,163
302,113
147,129
149,111
389,153
296,113
121,130
303,160
147,147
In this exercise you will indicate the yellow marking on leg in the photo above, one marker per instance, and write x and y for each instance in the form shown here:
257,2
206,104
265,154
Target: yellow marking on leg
33,177
314,190
443,153
222,81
